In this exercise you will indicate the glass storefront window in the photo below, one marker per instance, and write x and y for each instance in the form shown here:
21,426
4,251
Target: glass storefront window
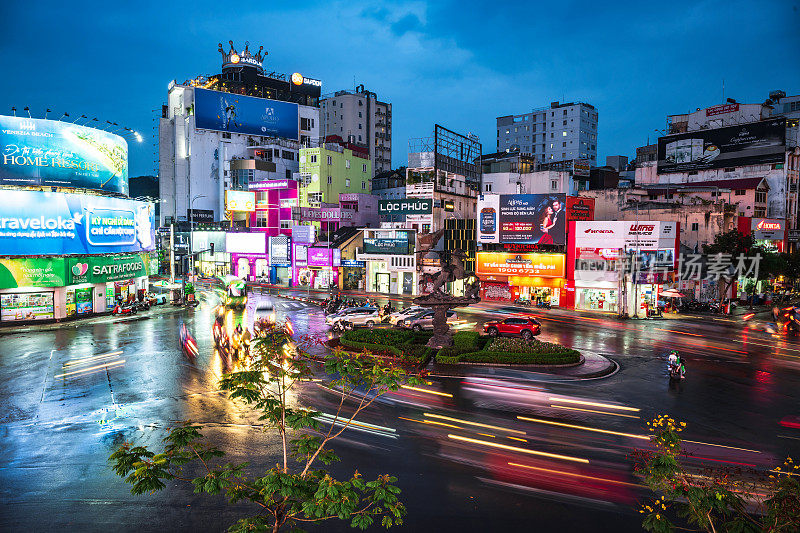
597,300
26,306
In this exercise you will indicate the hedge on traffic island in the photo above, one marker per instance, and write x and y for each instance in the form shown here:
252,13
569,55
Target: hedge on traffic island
468,347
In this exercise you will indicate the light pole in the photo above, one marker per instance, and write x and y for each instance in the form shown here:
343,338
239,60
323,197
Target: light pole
191,236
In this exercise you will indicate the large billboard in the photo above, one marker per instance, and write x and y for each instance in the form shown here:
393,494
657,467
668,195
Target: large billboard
61,154
48,223
522,218
220,111
579,208
621,234
392,246
746,144
511,264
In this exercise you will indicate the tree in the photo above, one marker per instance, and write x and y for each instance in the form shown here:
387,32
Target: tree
713,500
295,491
735,244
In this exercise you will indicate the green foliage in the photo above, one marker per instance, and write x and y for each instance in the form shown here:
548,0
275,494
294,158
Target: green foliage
716,499
408,345
509,351
466,340
388,337
370,347
294,491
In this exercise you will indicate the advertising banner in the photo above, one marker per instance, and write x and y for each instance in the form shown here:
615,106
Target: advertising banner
304,234
646,235
300,255
45,223
579,208
394,246
767,229
202,240
410,206
525,218
240,200
279,249
219,111
26,306
32,272
101,269
50,152
510,264
321,257
746,144
246,243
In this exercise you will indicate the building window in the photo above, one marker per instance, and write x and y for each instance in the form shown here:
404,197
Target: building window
759,213
487,187
695,226
740,192
563,133
563,145
565,123
313,158
359,114
330,160
364,167
346,163
330,180
288,173
363,185
359,138
261,219
554,184
286,224
761,197
347,182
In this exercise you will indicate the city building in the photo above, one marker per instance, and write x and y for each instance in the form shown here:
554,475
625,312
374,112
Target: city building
72,242
558,132
390,261
331,169
215,135
390,185
361,118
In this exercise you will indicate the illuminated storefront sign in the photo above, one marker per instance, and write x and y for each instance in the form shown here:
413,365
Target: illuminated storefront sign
45,223
49,152
32,272
240,200
766,229
410,206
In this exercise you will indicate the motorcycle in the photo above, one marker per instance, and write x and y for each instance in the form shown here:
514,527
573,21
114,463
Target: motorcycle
188,344
341,326
543,304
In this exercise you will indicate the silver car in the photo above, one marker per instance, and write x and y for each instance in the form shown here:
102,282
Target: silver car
358,316
424,320
396,317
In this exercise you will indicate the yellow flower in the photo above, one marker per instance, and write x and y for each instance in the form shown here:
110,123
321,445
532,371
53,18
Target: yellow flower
658,516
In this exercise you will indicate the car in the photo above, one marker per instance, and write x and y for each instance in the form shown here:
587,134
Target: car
397,316
516,326
157,298
424,320
357,316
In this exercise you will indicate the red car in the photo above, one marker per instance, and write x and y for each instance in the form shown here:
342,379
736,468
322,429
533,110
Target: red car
525,327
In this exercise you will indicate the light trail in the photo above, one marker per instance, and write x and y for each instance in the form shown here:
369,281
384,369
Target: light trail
592,411
594,404
517,449
681,332
574,474
584,428
720,446
426,391
430,422
98,367
84,360
487,426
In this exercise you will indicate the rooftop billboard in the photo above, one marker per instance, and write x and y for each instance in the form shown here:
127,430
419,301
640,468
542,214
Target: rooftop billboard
38,152
522,218
235,113
753,143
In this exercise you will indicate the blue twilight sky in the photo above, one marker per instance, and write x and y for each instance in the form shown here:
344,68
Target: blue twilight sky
459,63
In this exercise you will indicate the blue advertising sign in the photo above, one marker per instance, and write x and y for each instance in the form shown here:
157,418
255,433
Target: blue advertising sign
47,223
215,110
35,151
386,246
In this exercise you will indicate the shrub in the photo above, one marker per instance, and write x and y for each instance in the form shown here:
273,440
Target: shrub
506,344
370,347
386,337
521,358
466,340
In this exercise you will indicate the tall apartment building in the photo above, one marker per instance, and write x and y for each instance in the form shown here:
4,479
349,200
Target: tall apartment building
559,132
359,117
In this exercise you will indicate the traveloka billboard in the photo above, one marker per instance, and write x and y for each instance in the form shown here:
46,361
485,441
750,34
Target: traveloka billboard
61,154
235,113
46,223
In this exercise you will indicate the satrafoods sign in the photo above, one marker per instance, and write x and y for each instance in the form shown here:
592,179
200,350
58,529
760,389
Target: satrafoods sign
625,234
411,206
102,269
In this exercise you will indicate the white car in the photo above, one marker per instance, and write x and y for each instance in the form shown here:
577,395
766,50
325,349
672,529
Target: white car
397,316
358,316
424,320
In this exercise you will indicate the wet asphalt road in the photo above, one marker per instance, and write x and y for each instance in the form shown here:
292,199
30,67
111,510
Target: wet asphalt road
60,418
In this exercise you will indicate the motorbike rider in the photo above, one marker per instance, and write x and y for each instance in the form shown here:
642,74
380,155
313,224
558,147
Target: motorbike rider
675,361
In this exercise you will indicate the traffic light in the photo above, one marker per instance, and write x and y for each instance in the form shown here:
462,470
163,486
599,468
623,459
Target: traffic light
211,247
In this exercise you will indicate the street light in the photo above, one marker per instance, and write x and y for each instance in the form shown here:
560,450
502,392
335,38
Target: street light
191,236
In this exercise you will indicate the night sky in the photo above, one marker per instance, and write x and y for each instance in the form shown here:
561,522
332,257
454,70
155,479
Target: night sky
460,64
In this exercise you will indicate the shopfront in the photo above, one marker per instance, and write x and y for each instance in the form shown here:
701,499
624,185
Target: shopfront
98,283
535,277
620,267
280,262
323,264
353,274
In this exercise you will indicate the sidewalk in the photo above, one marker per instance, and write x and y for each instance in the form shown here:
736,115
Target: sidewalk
105,318
593,366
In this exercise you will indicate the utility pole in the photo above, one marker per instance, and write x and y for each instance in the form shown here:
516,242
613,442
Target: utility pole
171,255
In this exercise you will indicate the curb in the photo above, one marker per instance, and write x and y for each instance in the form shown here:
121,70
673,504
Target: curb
81,323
